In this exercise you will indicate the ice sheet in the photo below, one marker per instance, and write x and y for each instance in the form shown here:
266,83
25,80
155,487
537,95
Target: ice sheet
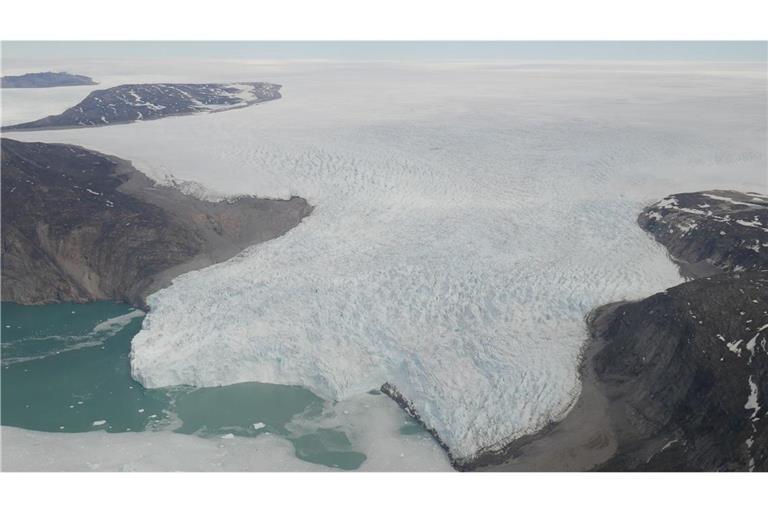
467,217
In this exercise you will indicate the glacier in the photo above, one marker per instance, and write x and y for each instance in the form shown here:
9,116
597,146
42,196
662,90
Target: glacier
467,217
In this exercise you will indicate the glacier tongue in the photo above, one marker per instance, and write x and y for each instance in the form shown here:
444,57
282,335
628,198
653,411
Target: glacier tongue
478,324
467,218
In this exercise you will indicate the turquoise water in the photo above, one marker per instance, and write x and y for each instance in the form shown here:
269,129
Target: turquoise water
65,368
411,428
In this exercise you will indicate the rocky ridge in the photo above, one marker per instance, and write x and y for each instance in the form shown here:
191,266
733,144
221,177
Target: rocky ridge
44,80
80,226
146,102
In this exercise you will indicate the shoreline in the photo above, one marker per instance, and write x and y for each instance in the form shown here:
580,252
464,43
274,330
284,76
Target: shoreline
228,227
583,439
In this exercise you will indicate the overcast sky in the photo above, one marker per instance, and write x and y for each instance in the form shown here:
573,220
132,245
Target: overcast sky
582,50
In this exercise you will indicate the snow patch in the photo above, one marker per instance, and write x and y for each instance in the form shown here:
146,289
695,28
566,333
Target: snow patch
752,400
729,200
733,346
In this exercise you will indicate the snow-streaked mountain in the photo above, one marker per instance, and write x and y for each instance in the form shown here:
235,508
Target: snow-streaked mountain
467,217
145,102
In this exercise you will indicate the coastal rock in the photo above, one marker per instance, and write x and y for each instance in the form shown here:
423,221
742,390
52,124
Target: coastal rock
79,226
711,231
145,102
45,79
687,369
687,372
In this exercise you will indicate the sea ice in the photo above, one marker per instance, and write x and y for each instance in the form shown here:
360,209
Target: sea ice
113,325
26,450
372,428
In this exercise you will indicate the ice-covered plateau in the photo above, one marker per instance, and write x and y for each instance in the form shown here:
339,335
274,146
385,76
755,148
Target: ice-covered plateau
466,219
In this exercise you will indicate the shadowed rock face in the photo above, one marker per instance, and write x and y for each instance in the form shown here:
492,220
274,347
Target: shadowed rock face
80,226
682,368
45,79
144,102
689,366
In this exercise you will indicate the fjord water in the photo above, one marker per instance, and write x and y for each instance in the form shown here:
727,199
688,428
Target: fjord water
65,368
61,372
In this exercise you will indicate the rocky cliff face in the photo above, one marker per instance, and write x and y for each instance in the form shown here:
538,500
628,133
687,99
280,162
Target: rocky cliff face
145,102
688,371
688,367
80,226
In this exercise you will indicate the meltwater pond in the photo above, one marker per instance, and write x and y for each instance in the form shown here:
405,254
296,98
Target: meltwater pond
65,369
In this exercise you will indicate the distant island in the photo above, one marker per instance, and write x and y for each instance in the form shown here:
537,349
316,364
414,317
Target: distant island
44,79
146,102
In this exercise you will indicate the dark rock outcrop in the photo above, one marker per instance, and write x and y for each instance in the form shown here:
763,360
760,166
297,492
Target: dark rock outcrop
45,79
145,102
690,365
711,231
79,226
688,372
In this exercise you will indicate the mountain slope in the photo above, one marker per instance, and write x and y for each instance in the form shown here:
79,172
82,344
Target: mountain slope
145,102
79,226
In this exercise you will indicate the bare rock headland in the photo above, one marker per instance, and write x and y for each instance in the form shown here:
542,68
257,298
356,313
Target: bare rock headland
79,226
146,102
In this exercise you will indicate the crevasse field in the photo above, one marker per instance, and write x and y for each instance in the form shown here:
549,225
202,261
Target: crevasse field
467,217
